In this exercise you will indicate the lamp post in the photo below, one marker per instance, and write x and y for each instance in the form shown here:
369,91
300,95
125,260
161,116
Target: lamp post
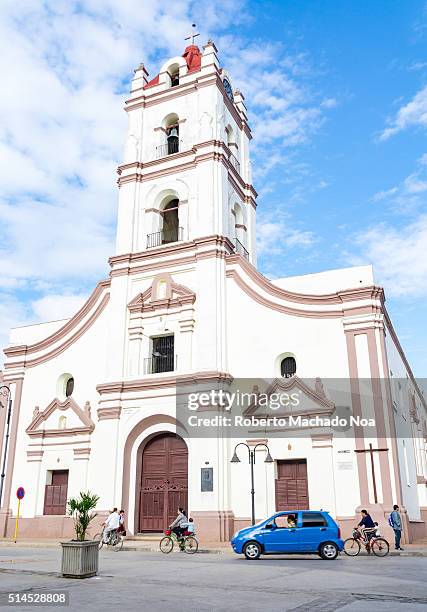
251,453
5,391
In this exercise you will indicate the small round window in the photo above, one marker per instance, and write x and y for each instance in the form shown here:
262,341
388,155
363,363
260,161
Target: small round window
69,387
288,367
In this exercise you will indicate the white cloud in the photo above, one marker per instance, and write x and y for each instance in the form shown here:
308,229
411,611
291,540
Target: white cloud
329,103
277,236
399,256
408,195
53,307
412,114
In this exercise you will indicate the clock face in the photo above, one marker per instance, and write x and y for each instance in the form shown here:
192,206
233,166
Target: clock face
228,89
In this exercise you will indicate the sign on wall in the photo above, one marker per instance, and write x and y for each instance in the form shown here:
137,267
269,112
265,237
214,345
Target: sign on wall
206,479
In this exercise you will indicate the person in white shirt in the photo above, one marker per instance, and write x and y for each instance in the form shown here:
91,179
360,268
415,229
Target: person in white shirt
190,526
112,522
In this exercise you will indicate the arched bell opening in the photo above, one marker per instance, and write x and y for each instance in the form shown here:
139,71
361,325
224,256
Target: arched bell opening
171,126
170,222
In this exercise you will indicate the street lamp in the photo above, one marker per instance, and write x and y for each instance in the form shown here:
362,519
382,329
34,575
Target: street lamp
251,453
5,391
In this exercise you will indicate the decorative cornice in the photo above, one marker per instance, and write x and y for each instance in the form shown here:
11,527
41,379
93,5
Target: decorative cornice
34,455
62,347
160,382
81,453
109,413
289,384
180,296
14,351
195,155
340,297
298,312
190,247
35,430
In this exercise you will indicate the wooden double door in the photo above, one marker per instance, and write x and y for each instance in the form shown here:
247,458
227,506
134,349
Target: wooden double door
163,484
292,485
55,495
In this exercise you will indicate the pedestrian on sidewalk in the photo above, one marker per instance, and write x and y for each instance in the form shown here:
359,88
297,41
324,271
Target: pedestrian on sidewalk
121,528
396,521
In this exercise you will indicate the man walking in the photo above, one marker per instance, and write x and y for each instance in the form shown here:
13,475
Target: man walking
396,521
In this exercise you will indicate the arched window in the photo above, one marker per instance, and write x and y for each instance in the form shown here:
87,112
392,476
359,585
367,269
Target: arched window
229,134
171,128
173,139
62,422
170,228
174,75
288,367
69,387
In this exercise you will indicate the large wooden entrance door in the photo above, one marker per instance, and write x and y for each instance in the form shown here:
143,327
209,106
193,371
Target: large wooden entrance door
292,485
164,481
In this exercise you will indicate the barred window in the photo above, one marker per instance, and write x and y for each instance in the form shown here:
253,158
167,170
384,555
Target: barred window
288,367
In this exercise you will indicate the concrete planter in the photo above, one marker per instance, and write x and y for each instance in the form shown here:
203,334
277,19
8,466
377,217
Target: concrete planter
79,559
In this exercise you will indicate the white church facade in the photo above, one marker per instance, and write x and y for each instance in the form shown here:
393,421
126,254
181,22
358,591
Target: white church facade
94,397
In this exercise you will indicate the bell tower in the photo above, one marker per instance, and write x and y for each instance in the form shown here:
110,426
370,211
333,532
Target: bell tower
186,171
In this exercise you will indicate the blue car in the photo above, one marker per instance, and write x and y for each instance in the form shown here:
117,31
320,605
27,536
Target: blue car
298,531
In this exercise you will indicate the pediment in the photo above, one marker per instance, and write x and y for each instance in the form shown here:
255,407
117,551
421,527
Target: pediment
158,296
47,423
304,399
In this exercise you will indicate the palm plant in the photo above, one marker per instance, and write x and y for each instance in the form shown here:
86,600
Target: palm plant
80,508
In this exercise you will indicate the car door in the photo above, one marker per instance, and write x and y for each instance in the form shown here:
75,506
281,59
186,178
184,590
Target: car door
314,530
278,536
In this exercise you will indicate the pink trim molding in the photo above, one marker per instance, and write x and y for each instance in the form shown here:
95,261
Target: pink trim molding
36,429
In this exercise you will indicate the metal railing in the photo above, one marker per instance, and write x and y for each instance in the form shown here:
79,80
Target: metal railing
165,237
159,364
170,147
234,162
240,249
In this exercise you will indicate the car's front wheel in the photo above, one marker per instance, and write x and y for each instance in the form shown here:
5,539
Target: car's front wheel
252,551
328,551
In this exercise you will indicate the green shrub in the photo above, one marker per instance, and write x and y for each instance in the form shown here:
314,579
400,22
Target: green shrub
80,508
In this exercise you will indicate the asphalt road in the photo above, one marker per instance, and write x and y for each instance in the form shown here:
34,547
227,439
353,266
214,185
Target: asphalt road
207,582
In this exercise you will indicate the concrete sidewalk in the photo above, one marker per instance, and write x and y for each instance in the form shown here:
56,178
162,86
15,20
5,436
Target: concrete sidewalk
151,544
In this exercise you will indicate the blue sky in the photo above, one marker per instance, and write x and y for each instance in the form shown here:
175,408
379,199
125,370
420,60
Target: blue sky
337,94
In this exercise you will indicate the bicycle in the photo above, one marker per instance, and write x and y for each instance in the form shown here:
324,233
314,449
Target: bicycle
352,546
115,540
187,542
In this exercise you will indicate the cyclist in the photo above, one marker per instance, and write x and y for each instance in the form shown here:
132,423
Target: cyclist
180,523
112,523
367,525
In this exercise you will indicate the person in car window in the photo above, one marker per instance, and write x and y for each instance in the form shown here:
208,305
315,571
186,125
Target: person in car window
291,521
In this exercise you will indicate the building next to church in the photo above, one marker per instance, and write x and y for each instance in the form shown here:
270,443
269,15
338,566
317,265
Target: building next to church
94,396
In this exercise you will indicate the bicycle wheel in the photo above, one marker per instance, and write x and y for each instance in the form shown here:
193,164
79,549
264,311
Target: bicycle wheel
191,545
166,545
351,547
117,544
380,547
98,537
